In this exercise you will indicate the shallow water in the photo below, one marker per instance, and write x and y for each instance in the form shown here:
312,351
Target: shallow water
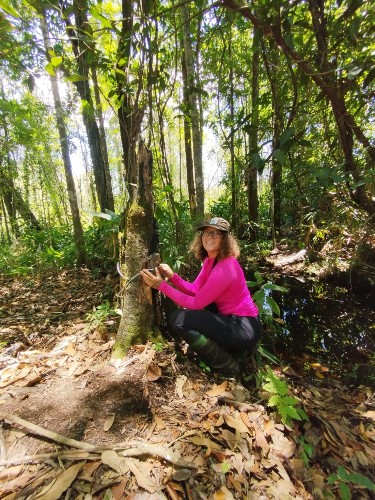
332,323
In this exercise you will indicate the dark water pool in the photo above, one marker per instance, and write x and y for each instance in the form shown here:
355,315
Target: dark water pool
332,323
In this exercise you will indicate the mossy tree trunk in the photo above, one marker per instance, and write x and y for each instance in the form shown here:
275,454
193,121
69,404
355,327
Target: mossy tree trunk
141,240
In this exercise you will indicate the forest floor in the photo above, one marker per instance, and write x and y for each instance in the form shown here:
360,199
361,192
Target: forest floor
77,424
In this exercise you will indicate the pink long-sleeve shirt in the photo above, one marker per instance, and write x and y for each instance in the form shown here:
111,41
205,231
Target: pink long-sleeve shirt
224,284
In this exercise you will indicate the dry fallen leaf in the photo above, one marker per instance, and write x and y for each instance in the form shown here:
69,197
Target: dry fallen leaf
180,382
56,488
223,494
153,372
142,475
113,460
217,390
109,422
235,423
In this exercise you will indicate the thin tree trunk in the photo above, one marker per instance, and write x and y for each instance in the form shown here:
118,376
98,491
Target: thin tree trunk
188,144
81,48
271,61
129,114
196,132
77,226
103,140
231,138
252,182
12,197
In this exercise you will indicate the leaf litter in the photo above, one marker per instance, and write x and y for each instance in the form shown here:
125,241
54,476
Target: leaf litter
77,424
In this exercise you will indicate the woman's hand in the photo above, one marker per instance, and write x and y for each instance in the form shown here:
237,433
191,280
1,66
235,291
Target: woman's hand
166,271
150,279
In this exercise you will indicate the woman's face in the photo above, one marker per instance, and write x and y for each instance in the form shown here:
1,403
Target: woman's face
211,240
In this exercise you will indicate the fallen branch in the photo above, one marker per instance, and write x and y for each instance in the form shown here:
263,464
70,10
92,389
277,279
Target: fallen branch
42,457
239,405
297,257
58,438
128,449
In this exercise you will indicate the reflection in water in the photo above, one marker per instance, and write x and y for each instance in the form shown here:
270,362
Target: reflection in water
332,323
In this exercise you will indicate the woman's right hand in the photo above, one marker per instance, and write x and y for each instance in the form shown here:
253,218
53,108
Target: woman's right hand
166,271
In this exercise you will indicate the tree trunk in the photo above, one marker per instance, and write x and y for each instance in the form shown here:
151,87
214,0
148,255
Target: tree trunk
231,139
129,114
252,182
271,63
188,144
15,203
193,113
82,48
103,141
138,307
12,197
64,144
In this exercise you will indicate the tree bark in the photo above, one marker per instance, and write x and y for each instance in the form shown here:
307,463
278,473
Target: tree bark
103,140
82,48
130,115
252,183
139,301
72,194
193,113
188,145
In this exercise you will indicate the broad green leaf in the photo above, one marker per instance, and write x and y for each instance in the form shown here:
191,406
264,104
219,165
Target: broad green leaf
341,471
76,78
274,400
273,305
266,354
277,288
9,9
280,156
288,412
345,492
286,135
303,414
354,71
106,23
56,61
289,400
50,69
99,214
360,479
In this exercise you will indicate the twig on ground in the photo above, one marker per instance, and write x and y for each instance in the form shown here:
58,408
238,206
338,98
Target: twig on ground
128,449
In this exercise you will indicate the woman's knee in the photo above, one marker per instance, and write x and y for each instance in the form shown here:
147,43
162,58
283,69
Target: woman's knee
176,320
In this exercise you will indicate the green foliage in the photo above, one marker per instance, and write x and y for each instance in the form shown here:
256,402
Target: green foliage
202,365
100,315
38,250
280,399
101,239
175,231
53,248
344,478
262,297
306,451
158,346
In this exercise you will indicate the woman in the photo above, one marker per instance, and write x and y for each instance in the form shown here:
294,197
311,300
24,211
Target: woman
219,315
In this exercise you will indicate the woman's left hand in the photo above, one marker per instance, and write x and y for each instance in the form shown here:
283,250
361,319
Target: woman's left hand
150,279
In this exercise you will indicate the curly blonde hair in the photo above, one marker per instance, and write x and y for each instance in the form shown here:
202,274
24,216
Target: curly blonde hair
229,247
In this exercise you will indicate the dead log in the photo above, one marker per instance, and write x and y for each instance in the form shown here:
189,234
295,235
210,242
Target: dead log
300,256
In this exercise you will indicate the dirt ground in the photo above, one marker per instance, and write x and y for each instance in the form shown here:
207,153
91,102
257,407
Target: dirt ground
78,424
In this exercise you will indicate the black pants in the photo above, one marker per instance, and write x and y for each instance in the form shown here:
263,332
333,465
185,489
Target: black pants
234,333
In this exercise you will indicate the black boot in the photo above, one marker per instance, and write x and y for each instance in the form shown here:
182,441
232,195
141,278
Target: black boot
213,354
